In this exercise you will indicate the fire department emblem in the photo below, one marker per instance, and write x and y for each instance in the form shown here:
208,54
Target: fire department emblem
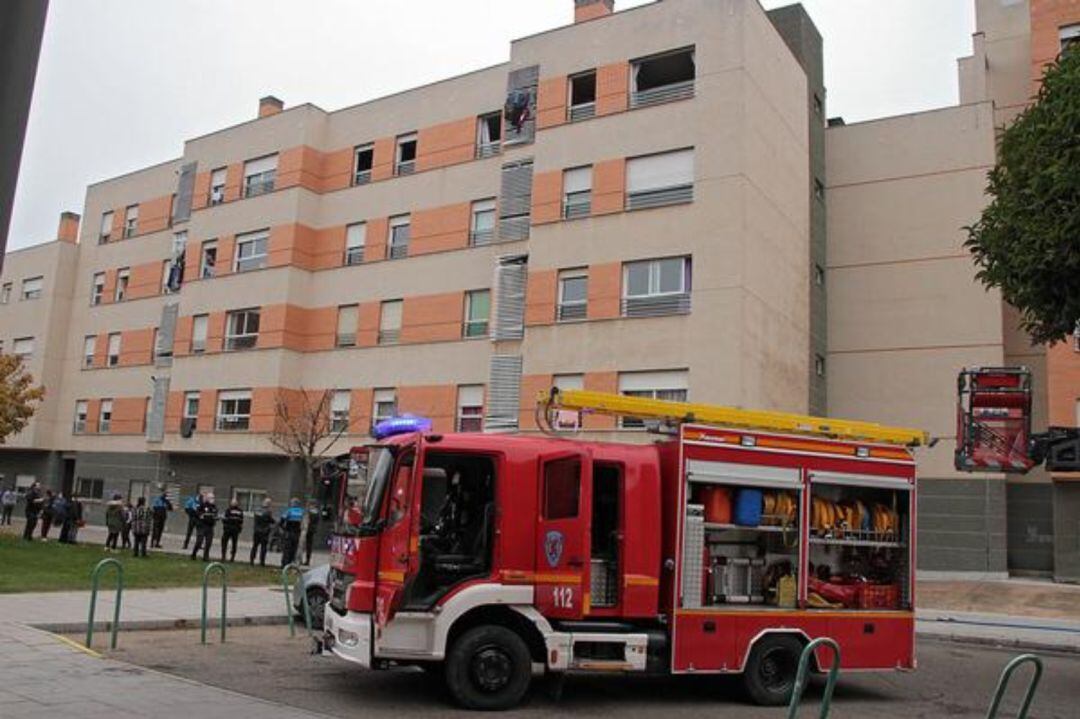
553,546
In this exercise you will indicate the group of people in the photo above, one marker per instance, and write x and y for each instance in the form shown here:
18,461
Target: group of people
48,508
203,516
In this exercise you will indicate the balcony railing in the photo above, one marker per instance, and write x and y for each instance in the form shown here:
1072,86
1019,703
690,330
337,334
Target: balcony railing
362,177
475,328
481,237
399,251
79,427
233,423
198,346
129,230
407,167
241,342
656,305
677,195
259,185
346,340
217,195
664,93
354,256
488,149
103,238
571,311
389,337
104,426
584,111
577,205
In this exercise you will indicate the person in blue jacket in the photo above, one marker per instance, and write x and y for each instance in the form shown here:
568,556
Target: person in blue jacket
191,506
159,512
291,519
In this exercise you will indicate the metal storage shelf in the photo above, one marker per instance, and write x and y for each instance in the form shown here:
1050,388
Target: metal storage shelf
855,542
738,527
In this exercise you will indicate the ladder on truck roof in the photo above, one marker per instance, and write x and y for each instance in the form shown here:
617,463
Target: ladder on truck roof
606,403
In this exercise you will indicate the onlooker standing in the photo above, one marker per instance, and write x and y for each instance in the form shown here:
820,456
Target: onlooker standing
309,532
77,522
47,514
59,513
7,501
291,519
114,521
141,521
33,509
125,530
67,522
191,509
206,515
232,521
263,524
161,508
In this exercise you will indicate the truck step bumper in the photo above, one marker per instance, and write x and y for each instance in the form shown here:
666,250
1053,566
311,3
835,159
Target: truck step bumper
349,637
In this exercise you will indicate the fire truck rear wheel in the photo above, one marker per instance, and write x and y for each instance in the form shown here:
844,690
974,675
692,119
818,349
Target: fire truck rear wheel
769,674
488,668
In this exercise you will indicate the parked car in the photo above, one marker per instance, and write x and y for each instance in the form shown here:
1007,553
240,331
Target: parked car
314,583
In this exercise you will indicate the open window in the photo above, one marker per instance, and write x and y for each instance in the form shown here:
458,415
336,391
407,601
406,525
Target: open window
364,160
488,135
662,78
582,103
405,158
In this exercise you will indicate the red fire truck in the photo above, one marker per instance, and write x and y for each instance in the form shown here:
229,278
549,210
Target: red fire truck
722,547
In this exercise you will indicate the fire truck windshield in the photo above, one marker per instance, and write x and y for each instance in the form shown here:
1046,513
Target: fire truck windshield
380,464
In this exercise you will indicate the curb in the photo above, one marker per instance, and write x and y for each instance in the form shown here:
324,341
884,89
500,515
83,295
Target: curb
146,625
1002,643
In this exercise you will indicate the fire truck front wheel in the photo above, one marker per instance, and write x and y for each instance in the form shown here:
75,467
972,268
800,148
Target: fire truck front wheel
488,668
769,674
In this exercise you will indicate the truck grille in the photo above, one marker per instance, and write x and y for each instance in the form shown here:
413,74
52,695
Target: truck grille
337,585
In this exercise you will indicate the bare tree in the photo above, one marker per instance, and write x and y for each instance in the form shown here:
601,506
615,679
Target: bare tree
304,428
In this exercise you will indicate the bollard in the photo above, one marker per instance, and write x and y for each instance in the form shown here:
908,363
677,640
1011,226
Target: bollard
224,590
802,677
1003,682
303,597
95,577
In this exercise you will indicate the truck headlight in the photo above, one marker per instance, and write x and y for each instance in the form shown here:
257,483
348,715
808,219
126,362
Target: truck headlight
349,639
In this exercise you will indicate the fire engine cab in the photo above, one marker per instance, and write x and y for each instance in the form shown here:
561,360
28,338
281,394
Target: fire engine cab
723,547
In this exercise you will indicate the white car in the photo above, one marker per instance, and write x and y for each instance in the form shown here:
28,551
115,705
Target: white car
313,582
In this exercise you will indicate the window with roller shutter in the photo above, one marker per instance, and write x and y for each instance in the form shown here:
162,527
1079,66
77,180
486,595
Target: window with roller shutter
515,201
510,278
504,394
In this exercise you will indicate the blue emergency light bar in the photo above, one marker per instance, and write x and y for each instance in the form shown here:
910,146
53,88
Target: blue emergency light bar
402,424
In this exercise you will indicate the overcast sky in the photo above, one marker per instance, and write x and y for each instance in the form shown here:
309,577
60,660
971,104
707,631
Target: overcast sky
122,83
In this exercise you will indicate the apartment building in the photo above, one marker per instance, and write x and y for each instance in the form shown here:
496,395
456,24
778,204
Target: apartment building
648,201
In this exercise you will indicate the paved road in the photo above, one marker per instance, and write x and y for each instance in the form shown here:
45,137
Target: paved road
954,680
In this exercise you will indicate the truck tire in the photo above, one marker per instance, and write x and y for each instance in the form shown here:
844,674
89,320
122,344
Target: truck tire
769,674
488,668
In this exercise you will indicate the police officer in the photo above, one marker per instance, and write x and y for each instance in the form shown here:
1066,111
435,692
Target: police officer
206,515
264,522
160,510
309,532
291,519
191,506
232,521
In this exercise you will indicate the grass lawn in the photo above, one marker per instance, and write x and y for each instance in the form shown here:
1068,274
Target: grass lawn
51,566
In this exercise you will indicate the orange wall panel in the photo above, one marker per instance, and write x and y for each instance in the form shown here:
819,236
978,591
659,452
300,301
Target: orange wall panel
328,248
145,281
226,248
609,187
93,413
1047,17
155,215
136,347
432,318
612,88
263,414
447,144
174,411
382,167
531,386
192,258
320,329
605,291
337,170
540,297
360,402
600,382
436,402
182,336
376,240
300,166
547,197
117,223
1063,384
215,332
108,294
272,322
207,410
551,100
128,415
234,180
440,229
367,334
293,245
101,349
200,196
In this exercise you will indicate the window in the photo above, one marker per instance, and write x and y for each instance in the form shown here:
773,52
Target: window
488,134
566,418
31,288
363,160
470,408
405,154
5,293
23,482
819,276
82,410
573,295
347,318
663,179
355,236
105,233
138,488
339,410
208,259
656,287
251,251
819,365
477,313
242,329
89,346
23,347
582,104
250,500
259,175
662,78
819,191
562,488
199,326
97,288
123,277
666,385
482,227
105,416
390,322
577,192
1069,36
86,488
399,236
112,357
191,408
217,186
384,405
131,220
234,410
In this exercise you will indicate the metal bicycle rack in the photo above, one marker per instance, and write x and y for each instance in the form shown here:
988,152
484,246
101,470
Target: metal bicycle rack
1003,684
303,597
95,577
802,677
220,568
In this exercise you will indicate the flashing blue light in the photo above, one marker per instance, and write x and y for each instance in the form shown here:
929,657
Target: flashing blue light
402,424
